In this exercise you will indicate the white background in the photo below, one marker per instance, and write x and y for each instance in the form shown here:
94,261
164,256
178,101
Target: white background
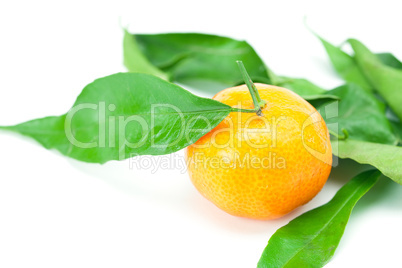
57,212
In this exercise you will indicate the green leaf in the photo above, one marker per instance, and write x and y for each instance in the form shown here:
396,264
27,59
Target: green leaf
311,239
397,127
135,61
370,135
304,88
345,65
206,62
386,158
189,58
300,86
127,114
385,79
360,113
389,60
348,67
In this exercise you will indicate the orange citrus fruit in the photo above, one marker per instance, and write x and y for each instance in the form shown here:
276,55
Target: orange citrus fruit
262,167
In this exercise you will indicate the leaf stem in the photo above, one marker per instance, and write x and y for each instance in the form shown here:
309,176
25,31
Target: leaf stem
233,109
340,137
258,102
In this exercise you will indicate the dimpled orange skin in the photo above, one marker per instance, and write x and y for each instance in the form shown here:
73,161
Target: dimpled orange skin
291,141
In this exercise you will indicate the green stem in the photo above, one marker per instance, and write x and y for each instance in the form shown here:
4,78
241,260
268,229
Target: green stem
258,102
244,110
340,137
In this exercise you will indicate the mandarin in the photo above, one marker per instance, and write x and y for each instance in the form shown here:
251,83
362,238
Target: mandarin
262,167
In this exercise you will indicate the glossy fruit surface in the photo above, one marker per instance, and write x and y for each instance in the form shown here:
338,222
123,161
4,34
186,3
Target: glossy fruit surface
262,167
